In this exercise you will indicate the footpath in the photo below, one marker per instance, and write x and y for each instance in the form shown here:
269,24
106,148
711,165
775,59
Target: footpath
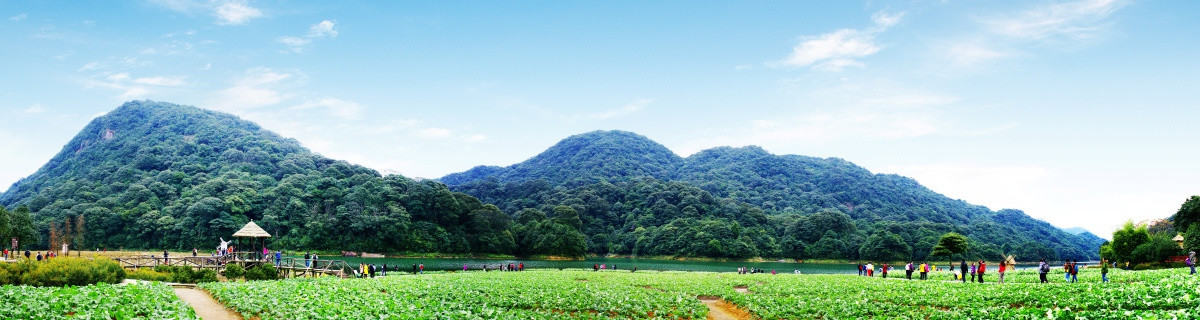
206,307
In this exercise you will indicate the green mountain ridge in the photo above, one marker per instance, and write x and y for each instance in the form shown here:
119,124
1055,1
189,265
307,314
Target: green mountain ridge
771,201
159,175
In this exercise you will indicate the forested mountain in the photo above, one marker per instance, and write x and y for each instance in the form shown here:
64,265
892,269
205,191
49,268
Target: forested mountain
636,197
158,175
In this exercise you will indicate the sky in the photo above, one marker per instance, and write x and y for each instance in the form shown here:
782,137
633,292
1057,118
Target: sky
1081,113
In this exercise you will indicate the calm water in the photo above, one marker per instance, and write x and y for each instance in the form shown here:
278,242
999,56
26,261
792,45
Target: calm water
435,264
446,264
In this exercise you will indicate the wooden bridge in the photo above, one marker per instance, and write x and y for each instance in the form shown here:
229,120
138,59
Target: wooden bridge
287,267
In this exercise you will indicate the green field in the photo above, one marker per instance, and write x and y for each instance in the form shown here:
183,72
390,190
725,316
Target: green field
99,301
546,294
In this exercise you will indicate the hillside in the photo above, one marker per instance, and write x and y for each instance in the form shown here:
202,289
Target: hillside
159,175
636,197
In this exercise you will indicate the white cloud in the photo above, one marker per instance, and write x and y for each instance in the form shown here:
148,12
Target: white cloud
1073,20
18,17
337,107
162,81
996,187
257,87
632,107
434,133
836,50
475,138
262,76
133,93
35,109
90,66
235,13
320,30
969,54
248,97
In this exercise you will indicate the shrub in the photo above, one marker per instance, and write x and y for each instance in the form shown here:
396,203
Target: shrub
149,275
233,271
262,272
63,271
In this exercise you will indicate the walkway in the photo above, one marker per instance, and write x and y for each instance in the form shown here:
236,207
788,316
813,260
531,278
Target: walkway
206,307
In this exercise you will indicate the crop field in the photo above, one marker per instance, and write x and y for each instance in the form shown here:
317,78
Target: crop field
99,301
546,294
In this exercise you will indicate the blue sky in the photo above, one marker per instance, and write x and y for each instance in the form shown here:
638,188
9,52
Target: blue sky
1081,112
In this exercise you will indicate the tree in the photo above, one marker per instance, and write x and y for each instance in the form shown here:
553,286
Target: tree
1191,241
885,246
1157,249
1188,214
1126,239
950,244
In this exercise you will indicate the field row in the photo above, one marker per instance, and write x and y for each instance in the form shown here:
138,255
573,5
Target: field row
546,294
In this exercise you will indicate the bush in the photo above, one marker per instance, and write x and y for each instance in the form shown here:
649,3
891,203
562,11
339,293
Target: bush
64,271
262,272
149,275
233,271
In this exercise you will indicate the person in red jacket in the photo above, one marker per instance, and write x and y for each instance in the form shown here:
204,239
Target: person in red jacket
1003,266
982,269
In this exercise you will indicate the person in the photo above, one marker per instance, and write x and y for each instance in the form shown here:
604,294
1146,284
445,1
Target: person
908,269
164,256
1066,270
1191,261
1043,269
39,256
595,267
861,269
633,270
882,271
924,270
1074,271
614,267
982,270
278,258
870,269
26,254
1103,271
383,270
464,268
522,267
194,251
414,268
602,266
374,269
773,272
307,259
421,268
1003,265
963,266
974,270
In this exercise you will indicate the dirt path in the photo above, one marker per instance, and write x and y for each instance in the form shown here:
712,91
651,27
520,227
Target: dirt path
720,310
206,307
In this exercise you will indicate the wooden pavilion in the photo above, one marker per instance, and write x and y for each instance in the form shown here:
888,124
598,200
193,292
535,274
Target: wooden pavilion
254,238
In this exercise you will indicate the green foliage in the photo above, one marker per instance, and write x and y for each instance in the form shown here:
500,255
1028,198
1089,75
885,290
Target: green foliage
176,274
262,272
158,175
1191,240
149,274
1187,215
1126,240
61,271
234,271
577,294
885,246
99,301
951,244
620,181
1158,249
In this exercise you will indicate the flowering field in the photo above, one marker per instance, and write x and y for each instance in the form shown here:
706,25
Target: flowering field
546,294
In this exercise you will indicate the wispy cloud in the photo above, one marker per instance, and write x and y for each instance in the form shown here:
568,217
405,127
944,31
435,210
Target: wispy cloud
320,30
35,109
130,87
839,49
969,54
227,12
235,13
436,133
255,88
632,107
162,81
18,17
337,107
1073,20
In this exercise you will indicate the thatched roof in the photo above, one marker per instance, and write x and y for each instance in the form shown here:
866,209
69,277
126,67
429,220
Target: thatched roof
252,230
1178,237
